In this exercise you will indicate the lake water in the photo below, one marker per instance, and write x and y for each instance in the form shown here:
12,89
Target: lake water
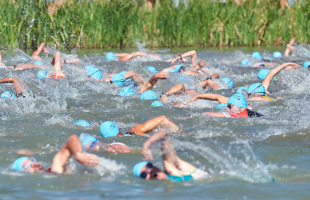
249,158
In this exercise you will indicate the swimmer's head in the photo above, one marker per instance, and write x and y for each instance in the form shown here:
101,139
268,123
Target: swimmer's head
228,82
110,56
237,100
277,54
108,129
38,63
263,73
245,62
257,55
221,106
81,122
147,170
151,69
149,94
7,94
240,89
86,139
119,80
89,67
27,164
306,64
157,104
126,91
179,68
42,74
257,88
95,73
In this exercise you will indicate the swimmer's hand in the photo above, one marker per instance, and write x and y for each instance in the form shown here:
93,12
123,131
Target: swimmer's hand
194,98
146,153
292,66
162,75
45,50
87,159
213,85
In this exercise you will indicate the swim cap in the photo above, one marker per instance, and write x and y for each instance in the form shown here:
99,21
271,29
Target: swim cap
18,163
228,82
123,72
137,168
257,88
81,122
246,62
149,94
126,91
242,88
257,56
8,94
89,67
151,69
306,64
130,84
85,139
238,100
118,80
263,73
221,106
38,63
157,104
108,129
172,70
179,67
277,54
95,73
110,56
42,74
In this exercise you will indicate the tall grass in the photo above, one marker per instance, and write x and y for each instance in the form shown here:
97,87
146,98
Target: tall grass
120,23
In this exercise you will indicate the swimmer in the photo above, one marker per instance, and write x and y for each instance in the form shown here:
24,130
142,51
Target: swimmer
124,56
18,86
175,169
92,144
109,129
72,147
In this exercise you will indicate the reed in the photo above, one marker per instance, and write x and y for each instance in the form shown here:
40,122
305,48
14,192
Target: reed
120,23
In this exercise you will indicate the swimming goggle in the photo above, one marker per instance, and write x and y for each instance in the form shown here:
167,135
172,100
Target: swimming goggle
27,167
93,144
144,174
229,105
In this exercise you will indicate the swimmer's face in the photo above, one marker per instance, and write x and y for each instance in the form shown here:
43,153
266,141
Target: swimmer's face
154,173
33,167
232,108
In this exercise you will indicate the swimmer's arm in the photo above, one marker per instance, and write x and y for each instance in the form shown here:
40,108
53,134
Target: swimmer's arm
76,60
18,151
257,99
212,114
209,96
153,80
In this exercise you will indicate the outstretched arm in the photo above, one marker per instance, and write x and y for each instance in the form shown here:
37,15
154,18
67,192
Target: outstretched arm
153,80
73,147
17,84
209,96
135,77
192,54
275,71
36,54
154,123
172,163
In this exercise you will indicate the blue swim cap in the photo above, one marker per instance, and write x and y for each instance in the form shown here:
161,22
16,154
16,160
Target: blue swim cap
95,73
38,63
126,91
228,82
157,104
179,67
149,94
221,106
257,88
85,139
81,122
306,64
242,88
238,100
172,70
18,163
89,67
108,129
277,54
257,56
110,56
246,62
118,80
7,94
151,69
263,73
137,168
42,74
